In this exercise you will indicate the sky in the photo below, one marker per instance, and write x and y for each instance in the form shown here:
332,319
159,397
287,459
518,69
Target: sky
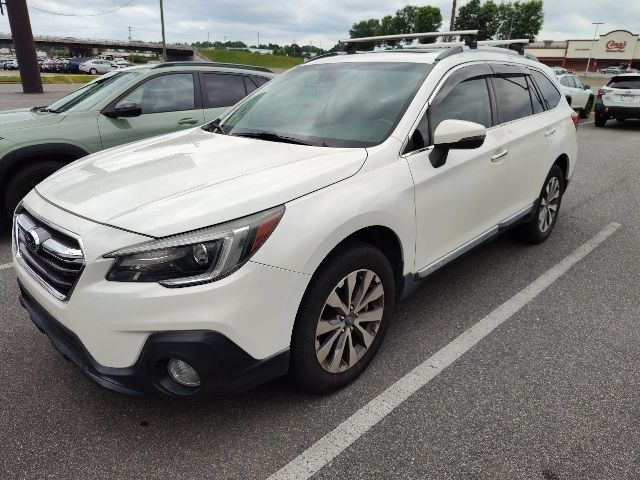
318,22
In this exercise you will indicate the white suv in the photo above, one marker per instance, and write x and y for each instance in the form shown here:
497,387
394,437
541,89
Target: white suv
278,238
619,99
580,94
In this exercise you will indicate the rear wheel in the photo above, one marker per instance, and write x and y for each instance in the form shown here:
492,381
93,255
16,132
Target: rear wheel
93,71
600,121
538,229
24,180
343,318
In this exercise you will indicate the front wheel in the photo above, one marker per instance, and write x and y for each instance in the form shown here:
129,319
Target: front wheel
342,319
538,229
584,112
24,180
93,71
600,121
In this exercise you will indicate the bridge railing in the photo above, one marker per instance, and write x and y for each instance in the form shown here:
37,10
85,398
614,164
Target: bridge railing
100,41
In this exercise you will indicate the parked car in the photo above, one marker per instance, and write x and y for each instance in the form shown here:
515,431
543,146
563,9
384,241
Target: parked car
73,65
278,237
121,62
614,70
619,99
559,70
580,94
12,65
117,108
95,66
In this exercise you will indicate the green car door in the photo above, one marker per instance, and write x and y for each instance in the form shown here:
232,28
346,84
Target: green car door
166,102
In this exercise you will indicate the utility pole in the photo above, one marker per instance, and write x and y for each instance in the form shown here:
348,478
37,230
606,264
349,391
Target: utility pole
208,45
164,43
453,16
258,40
597,24
24,46
129,34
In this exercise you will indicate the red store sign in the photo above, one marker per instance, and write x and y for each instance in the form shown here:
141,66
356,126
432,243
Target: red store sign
615,47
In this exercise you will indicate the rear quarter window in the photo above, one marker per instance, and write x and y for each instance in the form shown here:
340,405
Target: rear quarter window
629,83
549,92
512,97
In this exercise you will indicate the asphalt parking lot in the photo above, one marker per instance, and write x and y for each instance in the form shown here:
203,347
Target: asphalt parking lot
551,392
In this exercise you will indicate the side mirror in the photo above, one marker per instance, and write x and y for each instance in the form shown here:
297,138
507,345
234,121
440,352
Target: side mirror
568,97
587,87
455,135
124,109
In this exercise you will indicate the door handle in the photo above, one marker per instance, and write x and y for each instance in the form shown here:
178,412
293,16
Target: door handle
548,133
187,121
496,158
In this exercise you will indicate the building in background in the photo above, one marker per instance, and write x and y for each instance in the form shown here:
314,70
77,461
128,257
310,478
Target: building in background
618,47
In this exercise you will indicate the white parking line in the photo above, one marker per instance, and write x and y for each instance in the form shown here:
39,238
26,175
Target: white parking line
6,266
335,442
584,123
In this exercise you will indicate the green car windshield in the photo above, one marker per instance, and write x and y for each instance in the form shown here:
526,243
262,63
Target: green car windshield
92,93
350,104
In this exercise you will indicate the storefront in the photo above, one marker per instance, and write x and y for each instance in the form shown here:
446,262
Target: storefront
618,47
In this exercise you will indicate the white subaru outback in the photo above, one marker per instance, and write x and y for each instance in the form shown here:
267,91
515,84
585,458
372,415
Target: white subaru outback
279,237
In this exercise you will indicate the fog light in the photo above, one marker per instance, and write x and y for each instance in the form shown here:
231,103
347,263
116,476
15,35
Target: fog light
183,373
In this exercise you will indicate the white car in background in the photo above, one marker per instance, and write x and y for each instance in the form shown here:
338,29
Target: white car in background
95,66
619,99
581,95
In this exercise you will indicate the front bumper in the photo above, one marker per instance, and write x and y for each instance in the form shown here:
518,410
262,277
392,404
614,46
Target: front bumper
617,112
224,368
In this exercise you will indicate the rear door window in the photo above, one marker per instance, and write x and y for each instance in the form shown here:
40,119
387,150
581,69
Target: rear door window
512,97
536,97
223,90
549,92
629,83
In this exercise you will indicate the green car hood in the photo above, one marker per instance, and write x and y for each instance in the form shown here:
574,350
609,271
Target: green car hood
27,118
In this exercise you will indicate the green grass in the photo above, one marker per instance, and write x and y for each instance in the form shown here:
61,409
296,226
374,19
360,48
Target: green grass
51,78
249,58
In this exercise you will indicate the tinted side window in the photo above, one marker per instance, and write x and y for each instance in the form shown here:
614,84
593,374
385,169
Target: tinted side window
166,93
630,83
249,85
259,81
468,101
223,90
512,97
566,81
549,92
578,82
536,98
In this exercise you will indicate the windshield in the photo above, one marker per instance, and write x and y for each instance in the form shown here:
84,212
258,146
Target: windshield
92,93
354,104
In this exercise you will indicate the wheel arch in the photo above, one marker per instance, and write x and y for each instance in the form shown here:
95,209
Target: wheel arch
563,162
14,160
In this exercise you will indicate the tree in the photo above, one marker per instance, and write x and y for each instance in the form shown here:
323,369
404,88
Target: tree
477,16
427,19
365,28
520,19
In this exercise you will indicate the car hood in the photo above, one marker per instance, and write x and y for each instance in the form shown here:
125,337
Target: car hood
24,117
189,180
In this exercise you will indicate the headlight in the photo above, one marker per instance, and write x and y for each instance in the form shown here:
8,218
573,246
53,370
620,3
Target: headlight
195,257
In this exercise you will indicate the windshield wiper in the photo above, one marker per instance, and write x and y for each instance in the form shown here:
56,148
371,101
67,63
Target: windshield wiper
272,136
46,109
214,127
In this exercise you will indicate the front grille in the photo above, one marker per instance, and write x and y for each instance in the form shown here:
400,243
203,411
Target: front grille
52,257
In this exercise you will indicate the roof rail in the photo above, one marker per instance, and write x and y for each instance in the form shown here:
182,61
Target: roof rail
211,64
483,43
467,35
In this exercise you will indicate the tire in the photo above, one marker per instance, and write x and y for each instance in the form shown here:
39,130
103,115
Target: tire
600,121
315,365
93,71
584,112
23,182
538,229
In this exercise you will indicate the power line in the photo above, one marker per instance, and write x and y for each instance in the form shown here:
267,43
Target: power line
87,15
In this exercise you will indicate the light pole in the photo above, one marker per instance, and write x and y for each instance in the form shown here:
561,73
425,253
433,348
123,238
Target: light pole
597,24
453,16
164,43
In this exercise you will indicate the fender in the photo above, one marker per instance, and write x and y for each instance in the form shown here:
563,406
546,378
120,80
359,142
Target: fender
10,159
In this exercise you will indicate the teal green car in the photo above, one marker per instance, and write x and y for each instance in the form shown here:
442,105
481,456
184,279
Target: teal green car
119,107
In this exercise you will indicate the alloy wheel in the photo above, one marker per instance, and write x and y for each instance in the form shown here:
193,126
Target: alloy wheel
549,204
349,321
